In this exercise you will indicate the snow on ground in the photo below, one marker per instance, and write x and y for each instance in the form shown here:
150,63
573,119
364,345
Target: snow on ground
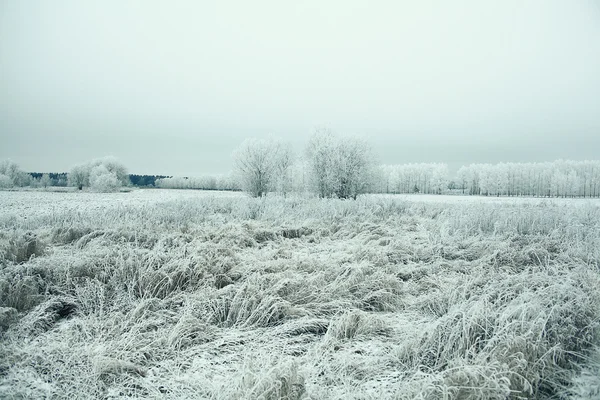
189,294
38,202
25,203
452,199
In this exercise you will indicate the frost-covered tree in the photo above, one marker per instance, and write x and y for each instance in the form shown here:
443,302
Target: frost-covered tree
340,167
5,182
103,180
283,169
321,155
80,175
462,177
258,163
45,181
11,170
115,167
438,182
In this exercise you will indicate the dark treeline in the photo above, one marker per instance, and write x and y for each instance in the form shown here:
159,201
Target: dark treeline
52,175
145,180
60,179
48,178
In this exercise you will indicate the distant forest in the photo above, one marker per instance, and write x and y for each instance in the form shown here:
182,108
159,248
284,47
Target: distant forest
60,178
145,180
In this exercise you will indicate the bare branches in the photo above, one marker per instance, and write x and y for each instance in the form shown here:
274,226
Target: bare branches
340,167
262,166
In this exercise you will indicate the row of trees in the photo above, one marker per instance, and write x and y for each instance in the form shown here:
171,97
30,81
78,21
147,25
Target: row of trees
207,182
145,180
413,178
345,167
550,179
333,166
44,180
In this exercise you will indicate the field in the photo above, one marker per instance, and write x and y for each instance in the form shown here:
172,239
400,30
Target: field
212,295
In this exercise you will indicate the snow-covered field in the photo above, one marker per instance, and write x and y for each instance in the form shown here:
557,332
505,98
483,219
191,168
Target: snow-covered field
188,294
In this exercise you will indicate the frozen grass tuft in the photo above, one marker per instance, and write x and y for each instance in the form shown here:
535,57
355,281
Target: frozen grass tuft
247,306
261,377
43,317
18,247
355,324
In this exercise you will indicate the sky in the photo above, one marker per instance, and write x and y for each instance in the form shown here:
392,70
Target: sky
173,87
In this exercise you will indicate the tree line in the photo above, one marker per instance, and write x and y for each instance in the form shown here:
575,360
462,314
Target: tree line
332,166
344,167
145,180
425,178
207,182
561,178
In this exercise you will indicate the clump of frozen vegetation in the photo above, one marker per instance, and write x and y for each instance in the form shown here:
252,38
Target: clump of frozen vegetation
229,297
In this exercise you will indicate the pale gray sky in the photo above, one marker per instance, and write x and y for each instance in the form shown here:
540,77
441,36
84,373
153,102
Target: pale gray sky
172,87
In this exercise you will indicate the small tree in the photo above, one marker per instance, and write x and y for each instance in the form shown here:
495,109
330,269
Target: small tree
339,167
283,169
79,176
45,181
257,162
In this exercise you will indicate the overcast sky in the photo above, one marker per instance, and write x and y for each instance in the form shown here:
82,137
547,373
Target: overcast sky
172,87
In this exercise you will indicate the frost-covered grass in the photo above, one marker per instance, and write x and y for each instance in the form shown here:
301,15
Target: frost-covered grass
167,294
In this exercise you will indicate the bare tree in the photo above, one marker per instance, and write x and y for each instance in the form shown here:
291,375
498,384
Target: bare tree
256,164
284,159
341,167
321,154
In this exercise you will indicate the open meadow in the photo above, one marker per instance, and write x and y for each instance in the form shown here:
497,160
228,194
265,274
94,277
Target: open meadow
216,295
